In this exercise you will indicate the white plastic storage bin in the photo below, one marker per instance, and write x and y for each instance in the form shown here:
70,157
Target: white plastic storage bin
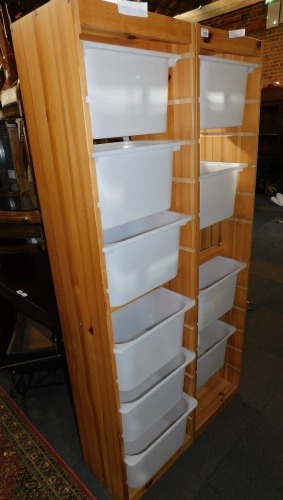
217,284
142,412
134,179
127,89
157,428
218,184
142,255
140,467
147,334
222,91
212,342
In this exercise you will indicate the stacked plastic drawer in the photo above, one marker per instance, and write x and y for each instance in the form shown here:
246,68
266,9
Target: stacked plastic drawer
127,95
222,100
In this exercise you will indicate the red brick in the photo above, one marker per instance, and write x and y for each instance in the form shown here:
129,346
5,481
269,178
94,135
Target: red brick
253,19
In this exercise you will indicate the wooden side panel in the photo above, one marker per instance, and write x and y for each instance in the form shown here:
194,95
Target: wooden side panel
48,53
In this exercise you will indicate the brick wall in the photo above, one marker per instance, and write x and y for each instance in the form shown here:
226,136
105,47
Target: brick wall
253,18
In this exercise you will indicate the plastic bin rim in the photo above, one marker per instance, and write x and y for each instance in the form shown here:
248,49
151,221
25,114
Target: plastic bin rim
120,348
172,58
189,357
133,460
250,65
226,168
241,266
181,221
133,146
231,329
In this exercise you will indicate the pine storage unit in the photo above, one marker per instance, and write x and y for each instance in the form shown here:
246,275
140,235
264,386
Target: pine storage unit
97,299
230,238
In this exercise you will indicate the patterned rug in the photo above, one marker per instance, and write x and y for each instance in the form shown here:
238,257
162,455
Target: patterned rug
29,468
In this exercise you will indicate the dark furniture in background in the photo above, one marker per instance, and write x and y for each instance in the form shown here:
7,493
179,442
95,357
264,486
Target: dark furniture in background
270,147
30,332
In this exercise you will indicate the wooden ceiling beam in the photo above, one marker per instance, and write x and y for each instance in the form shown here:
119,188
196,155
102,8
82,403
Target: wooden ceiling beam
214,9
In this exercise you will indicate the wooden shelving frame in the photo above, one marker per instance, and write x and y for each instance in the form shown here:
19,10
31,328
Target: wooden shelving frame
232,237
50,63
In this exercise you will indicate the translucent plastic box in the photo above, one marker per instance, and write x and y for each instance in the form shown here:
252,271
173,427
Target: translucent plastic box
134,179
142,255
212,342
157,451
152,399
222,91
127,89
217,285
218,184
147,334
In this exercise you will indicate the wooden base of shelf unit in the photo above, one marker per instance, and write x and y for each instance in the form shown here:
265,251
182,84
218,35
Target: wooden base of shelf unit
212,397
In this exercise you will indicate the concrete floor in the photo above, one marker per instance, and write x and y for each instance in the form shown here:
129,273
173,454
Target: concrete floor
240,455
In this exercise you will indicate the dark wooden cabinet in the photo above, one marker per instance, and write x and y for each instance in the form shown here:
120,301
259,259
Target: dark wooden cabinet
270,147
30,332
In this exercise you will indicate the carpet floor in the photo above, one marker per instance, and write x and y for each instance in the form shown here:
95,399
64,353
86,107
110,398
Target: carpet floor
29,467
